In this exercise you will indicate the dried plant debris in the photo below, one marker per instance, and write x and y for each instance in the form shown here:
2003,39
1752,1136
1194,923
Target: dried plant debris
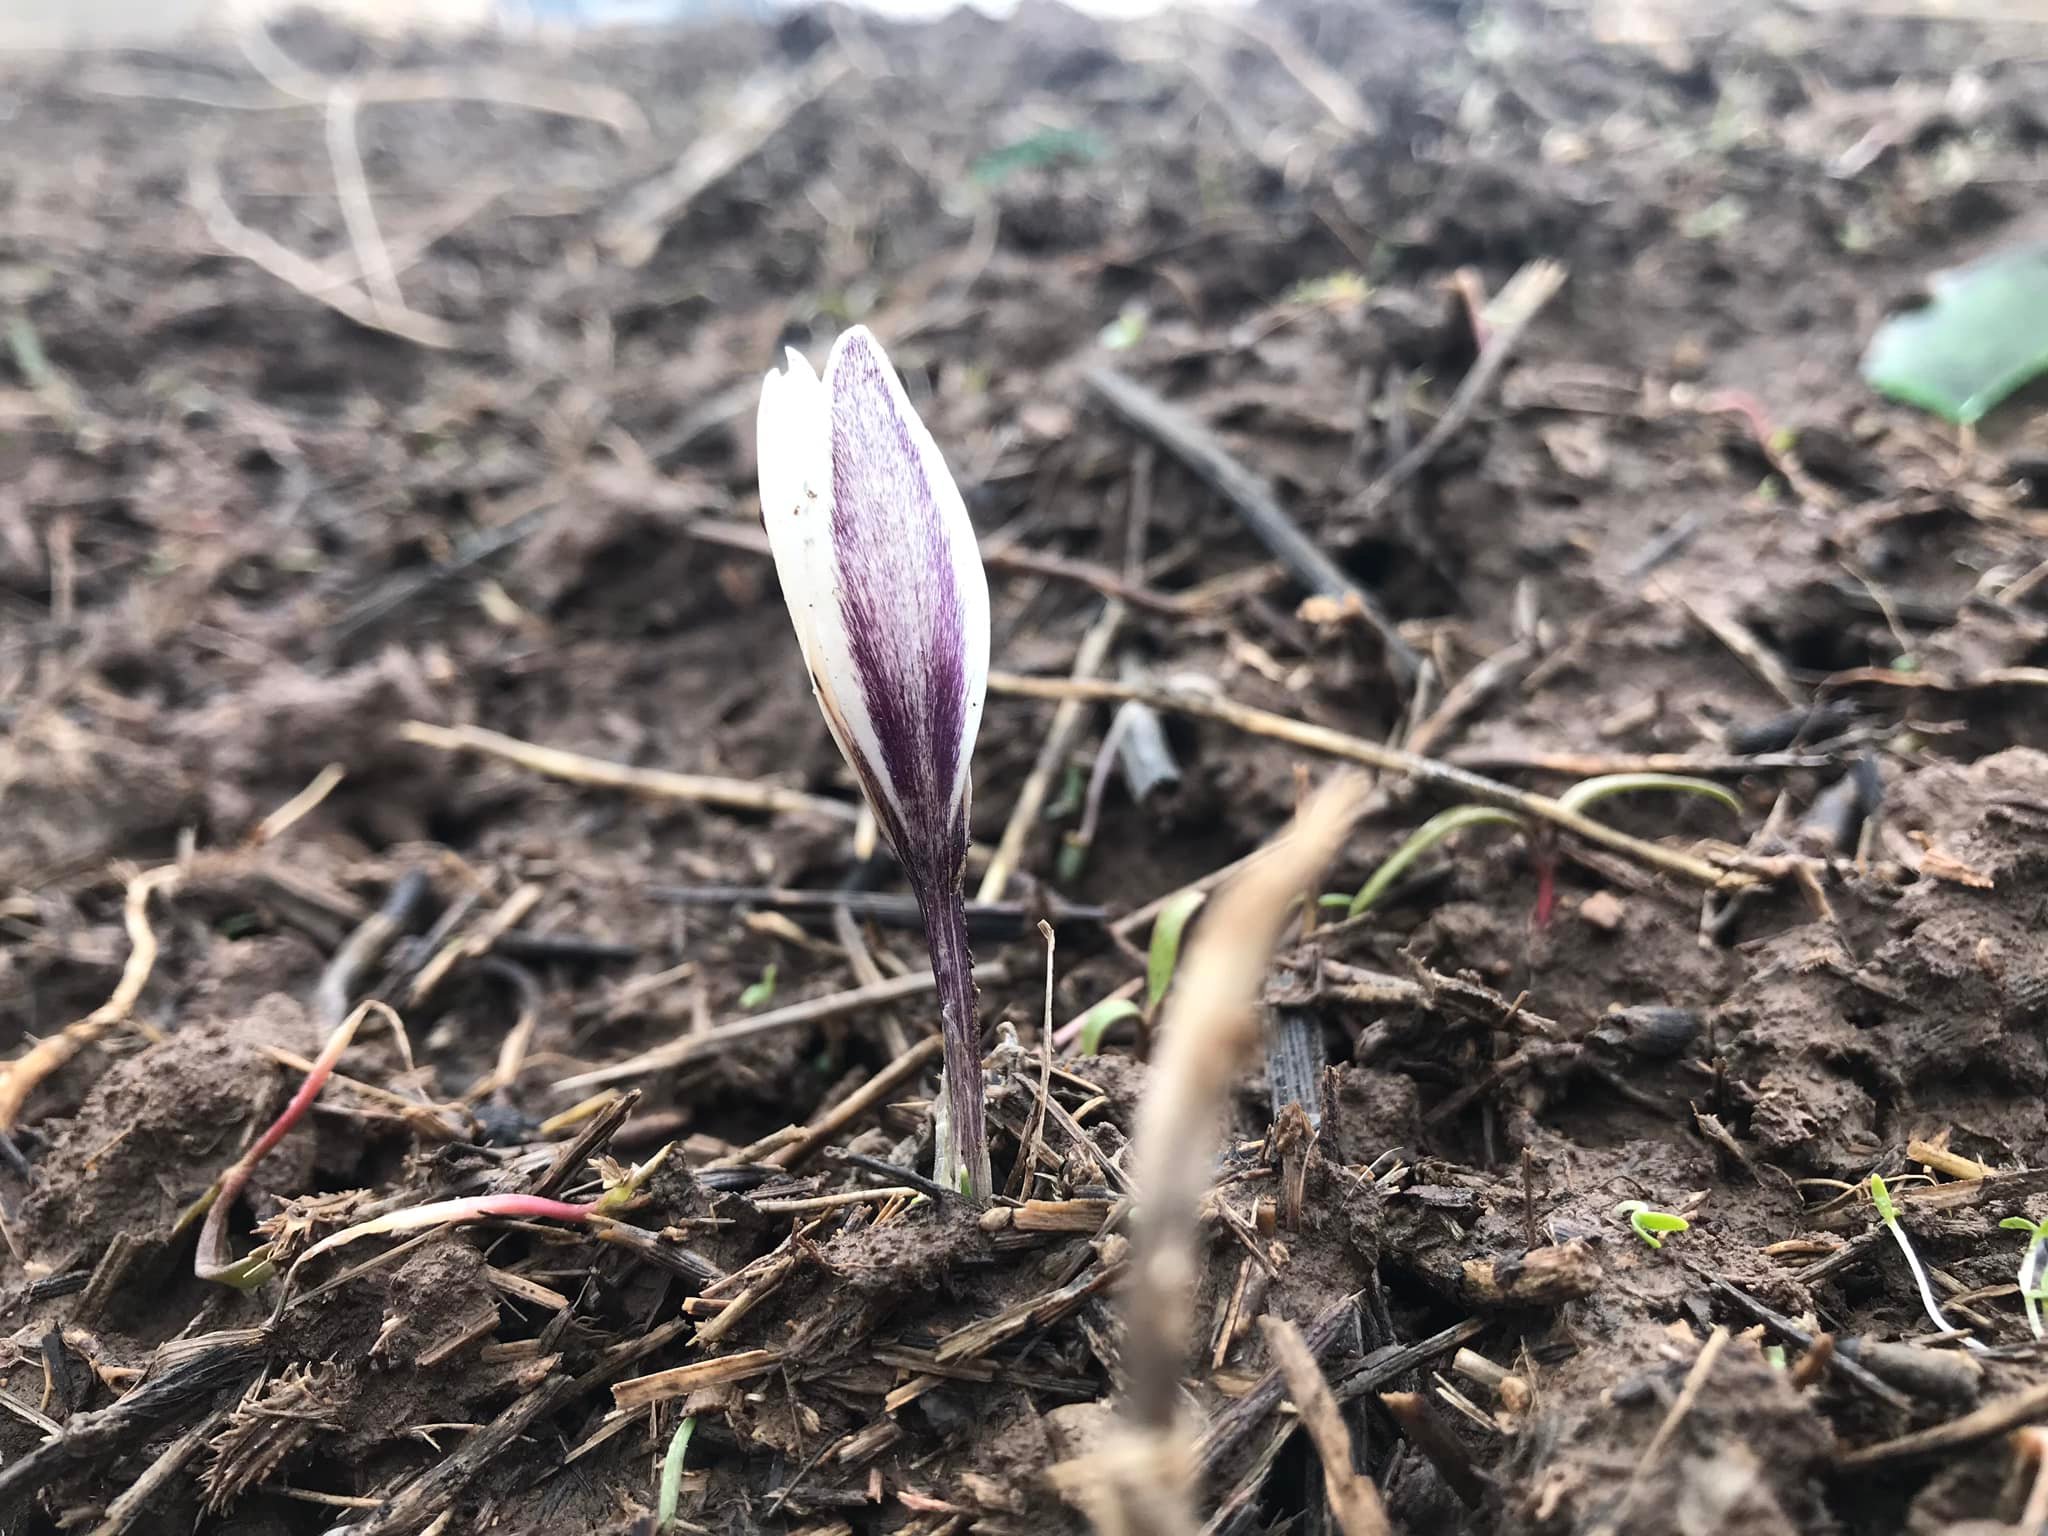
388,631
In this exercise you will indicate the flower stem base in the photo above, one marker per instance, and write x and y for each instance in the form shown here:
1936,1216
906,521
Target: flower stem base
963,1142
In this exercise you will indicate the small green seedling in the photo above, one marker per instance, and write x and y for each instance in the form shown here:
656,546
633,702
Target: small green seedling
1888,1213
672,1476
1586,792
1424,838
759,994
2033,1275
1646,1221
1098,1021
1589,791
1162,959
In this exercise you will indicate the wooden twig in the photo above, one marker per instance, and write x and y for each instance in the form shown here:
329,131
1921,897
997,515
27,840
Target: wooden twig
1737,870
1586,765
1851,1370
868,1096
1332,91
1744,645
724,1036
21,1077
1994,1418
698,518
1209,1031
643,1391
300,806
706,789
1469,692
1653,1453
359,209
1353,1499
1510,314
203,189
1253,500
1052,755
764,107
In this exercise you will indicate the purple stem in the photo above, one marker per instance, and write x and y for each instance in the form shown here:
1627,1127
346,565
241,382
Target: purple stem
945,931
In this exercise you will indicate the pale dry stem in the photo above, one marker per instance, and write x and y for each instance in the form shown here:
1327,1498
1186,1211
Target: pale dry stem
1207,1036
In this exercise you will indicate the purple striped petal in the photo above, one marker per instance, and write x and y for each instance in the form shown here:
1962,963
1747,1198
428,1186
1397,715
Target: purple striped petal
886,588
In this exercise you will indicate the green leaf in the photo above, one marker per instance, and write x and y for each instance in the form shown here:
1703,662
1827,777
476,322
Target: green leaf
1099,1020
1586,791
248,1273
1345,287
1647,1222
1983,335
2021,1224
1424,838
1073,791
1126,330
1882,1199
1035,152
1332,899
761,991
672,1475
1163,958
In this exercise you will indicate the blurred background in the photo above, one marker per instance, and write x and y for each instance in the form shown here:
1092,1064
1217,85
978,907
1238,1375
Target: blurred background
1564,387
24,24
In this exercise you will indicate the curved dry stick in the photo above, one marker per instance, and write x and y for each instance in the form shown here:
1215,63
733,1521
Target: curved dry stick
24,1075
1737,870
1208,1033
709,789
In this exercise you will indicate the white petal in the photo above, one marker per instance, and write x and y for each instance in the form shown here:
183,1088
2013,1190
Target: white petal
902,565
794,451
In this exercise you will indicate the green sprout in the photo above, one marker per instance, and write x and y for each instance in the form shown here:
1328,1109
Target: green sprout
1424,838
1458,817
1103,1017
2033,1275
762,992
1162,959
1587,791
1888,1213
672,1476
1646,1221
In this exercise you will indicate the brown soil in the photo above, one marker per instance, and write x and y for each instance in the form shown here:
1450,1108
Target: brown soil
243,537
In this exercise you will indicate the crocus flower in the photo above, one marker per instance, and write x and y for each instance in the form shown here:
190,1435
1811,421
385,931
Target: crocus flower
884,583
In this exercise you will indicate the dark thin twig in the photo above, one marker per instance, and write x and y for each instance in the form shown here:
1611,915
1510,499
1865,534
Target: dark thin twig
361,949
1330,1328
1889,1395
1253,500
1524,296
408,587
895,1173
523,944
10,1154
1384,1367
223,1361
